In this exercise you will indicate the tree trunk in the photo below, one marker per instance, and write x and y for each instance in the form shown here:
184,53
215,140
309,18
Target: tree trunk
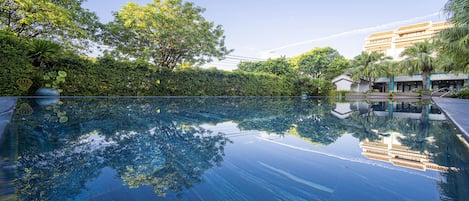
425,80
369,84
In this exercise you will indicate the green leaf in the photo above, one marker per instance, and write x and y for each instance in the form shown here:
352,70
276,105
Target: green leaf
62,74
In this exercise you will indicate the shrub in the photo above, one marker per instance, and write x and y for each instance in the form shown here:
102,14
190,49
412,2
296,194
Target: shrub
15,67
463,93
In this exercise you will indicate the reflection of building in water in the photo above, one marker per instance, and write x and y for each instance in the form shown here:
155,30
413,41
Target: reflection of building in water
342,110
389,149
384,109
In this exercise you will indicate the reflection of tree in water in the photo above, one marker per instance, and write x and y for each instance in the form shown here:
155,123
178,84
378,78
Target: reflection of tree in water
416,134
180,157
322,128
362,127
164,154
311,120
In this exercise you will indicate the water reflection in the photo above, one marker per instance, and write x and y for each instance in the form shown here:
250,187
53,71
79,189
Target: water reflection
52,152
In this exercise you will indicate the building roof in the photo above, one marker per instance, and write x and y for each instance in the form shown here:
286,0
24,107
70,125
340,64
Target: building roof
342,77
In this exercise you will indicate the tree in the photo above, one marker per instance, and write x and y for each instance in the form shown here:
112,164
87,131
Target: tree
390,69
366,66
325,63
419,58
59,20
279,66
43,52
167,33
250,66
454,41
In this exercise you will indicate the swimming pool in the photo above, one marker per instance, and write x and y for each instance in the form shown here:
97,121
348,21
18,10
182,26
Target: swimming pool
230,149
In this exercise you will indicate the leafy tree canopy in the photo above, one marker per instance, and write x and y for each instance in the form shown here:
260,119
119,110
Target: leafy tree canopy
367,66
419,58
454,41
64,21
168,33
322,62
278,66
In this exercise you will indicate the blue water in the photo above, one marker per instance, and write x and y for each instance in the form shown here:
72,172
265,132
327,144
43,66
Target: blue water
231,149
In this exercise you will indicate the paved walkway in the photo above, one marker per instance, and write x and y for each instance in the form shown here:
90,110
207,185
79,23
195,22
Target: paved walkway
458,111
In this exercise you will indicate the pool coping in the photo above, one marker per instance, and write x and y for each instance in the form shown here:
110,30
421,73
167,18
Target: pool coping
457,110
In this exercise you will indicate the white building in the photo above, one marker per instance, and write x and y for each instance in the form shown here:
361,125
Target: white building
392,43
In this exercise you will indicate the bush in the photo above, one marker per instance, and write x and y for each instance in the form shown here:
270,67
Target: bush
312,87
463,93
110,77
15,67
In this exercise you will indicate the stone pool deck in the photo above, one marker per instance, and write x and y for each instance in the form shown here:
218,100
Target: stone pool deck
458,111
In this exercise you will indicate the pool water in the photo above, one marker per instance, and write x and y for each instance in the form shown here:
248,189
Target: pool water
230,149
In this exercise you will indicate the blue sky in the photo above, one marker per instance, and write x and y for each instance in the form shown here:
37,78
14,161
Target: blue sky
271,28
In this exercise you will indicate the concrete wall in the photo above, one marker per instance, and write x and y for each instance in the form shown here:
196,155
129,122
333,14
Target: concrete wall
343,85
360,87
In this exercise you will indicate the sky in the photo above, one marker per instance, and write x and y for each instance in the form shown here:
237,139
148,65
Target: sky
264,29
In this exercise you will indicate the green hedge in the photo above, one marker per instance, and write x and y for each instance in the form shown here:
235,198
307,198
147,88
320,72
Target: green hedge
14,65
107,76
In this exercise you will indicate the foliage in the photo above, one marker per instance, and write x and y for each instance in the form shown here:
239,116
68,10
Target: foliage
325,63
109,77
458,11
463,93
366,66
59,20
15,67
167,33
279,66
454,41
251,66
313,87
419,58
390,68
43,52
55,79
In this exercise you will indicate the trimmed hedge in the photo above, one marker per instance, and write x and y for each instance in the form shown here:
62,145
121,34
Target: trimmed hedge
14,65
108,77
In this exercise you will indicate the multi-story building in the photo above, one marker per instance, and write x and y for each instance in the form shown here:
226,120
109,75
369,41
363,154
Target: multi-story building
392,43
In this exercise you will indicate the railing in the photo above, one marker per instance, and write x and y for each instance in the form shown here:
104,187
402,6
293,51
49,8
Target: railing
447,91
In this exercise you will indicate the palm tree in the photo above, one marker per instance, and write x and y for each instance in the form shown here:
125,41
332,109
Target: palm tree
366,66
43,52
454,41
419,58
390,69
454,48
